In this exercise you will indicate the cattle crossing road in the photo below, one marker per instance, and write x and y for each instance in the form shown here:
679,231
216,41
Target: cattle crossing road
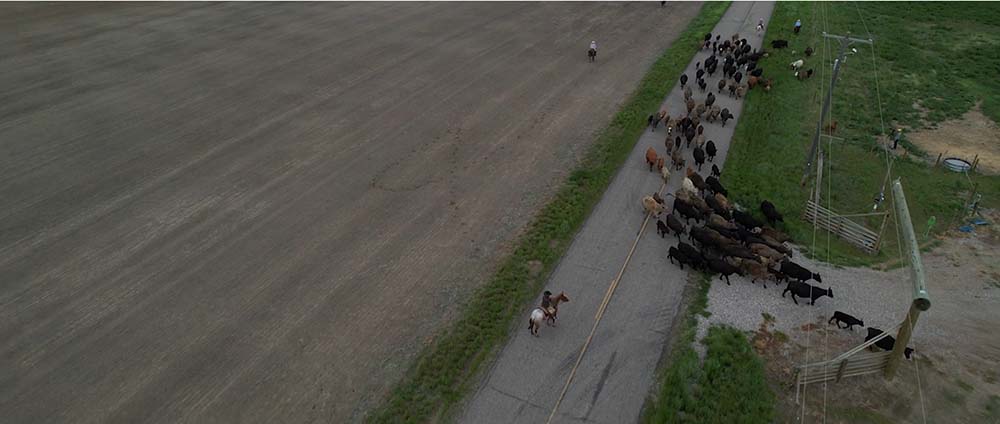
616,372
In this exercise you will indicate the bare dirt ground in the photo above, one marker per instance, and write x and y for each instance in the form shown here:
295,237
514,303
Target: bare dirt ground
955,341
974,134
247,212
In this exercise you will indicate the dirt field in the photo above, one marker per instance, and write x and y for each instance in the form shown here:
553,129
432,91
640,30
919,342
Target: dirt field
260,212
974,134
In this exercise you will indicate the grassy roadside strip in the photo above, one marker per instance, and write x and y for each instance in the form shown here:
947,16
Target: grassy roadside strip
729,386
445,369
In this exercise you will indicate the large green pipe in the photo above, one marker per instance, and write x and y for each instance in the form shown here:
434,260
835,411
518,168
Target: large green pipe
920,297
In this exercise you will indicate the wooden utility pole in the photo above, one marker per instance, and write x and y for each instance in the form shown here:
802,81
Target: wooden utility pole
921,301
844,41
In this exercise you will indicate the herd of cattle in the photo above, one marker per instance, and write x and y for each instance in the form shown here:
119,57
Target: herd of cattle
727,240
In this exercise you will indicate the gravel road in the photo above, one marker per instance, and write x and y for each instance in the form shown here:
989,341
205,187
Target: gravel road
617,371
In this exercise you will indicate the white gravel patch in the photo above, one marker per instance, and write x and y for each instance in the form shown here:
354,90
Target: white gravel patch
879,298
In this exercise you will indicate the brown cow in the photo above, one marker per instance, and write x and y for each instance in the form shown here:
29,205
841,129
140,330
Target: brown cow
651,158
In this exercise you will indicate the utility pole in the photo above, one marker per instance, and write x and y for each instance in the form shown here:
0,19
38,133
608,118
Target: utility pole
921,299
844,41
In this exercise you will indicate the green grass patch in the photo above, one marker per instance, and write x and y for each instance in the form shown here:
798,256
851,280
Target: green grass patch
729,386
992,408
859,415
443,372
943,73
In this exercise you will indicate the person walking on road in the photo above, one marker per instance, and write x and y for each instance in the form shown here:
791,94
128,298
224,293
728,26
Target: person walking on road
895,137
592,53
798,26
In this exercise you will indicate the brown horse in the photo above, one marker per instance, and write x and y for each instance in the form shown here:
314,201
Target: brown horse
538,315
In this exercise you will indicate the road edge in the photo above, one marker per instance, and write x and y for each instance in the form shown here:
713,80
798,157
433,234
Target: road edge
440,377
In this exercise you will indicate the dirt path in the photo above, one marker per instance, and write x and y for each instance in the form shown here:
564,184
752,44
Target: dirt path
247,212
615,375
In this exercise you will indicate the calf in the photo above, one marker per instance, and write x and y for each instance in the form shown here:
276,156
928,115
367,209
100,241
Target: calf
661,228
722,84
887,342
798,272
806,291
841,317
723,268
716,171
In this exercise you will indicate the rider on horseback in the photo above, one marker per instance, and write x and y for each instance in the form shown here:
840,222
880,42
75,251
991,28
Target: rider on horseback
547,307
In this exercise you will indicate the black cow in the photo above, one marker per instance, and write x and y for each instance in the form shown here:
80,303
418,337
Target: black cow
841,317
661,228
710,150
716,171
699,157
726,116
746,219
675,224
717,207
723,268
700,73
798,272
674,253
779,44
716,186
693,254
709,100
770,212
704,236
806,291
684,80
687,211
698,182
757,72
887,342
